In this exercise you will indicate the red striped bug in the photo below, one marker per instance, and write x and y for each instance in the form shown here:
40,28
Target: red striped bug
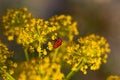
57,43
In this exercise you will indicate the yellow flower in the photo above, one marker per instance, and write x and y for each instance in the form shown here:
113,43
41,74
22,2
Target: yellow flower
13,20
113,77
50,46
66,26
44,52
36,33
90,52
6,64
40,70
39,49
10,38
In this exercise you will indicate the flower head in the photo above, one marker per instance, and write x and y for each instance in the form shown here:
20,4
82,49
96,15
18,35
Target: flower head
6,65
91,52
40,70
14,20
36,34
67,27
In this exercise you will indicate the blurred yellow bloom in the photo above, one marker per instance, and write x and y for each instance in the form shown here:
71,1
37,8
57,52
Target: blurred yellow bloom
40,70
6,64
50,46
10,38
13,20
113,77
66,26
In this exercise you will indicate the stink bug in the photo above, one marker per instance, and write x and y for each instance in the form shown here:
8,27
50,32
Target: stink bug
57,43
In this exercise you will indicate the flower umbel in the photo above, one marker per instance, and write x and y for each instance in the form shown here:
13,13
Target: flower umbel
40,70
14,20
67,27
91,52
35,34
7,66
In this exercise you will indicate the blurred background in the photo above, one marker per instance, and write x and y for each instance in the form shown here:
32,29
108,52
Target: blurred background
101,17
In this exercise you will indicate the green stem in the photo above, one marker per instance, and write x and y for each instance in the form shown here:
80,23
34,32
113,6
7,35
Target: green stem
7,74
55,54
71,73
26,54
39,54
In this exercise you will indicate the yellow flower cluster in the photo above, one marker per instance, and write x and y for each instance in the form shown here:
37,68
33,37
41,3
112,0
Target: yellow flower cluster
33,33
14,20
40,70
36,30
90,52
43,37
6,65
67,26
113,77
